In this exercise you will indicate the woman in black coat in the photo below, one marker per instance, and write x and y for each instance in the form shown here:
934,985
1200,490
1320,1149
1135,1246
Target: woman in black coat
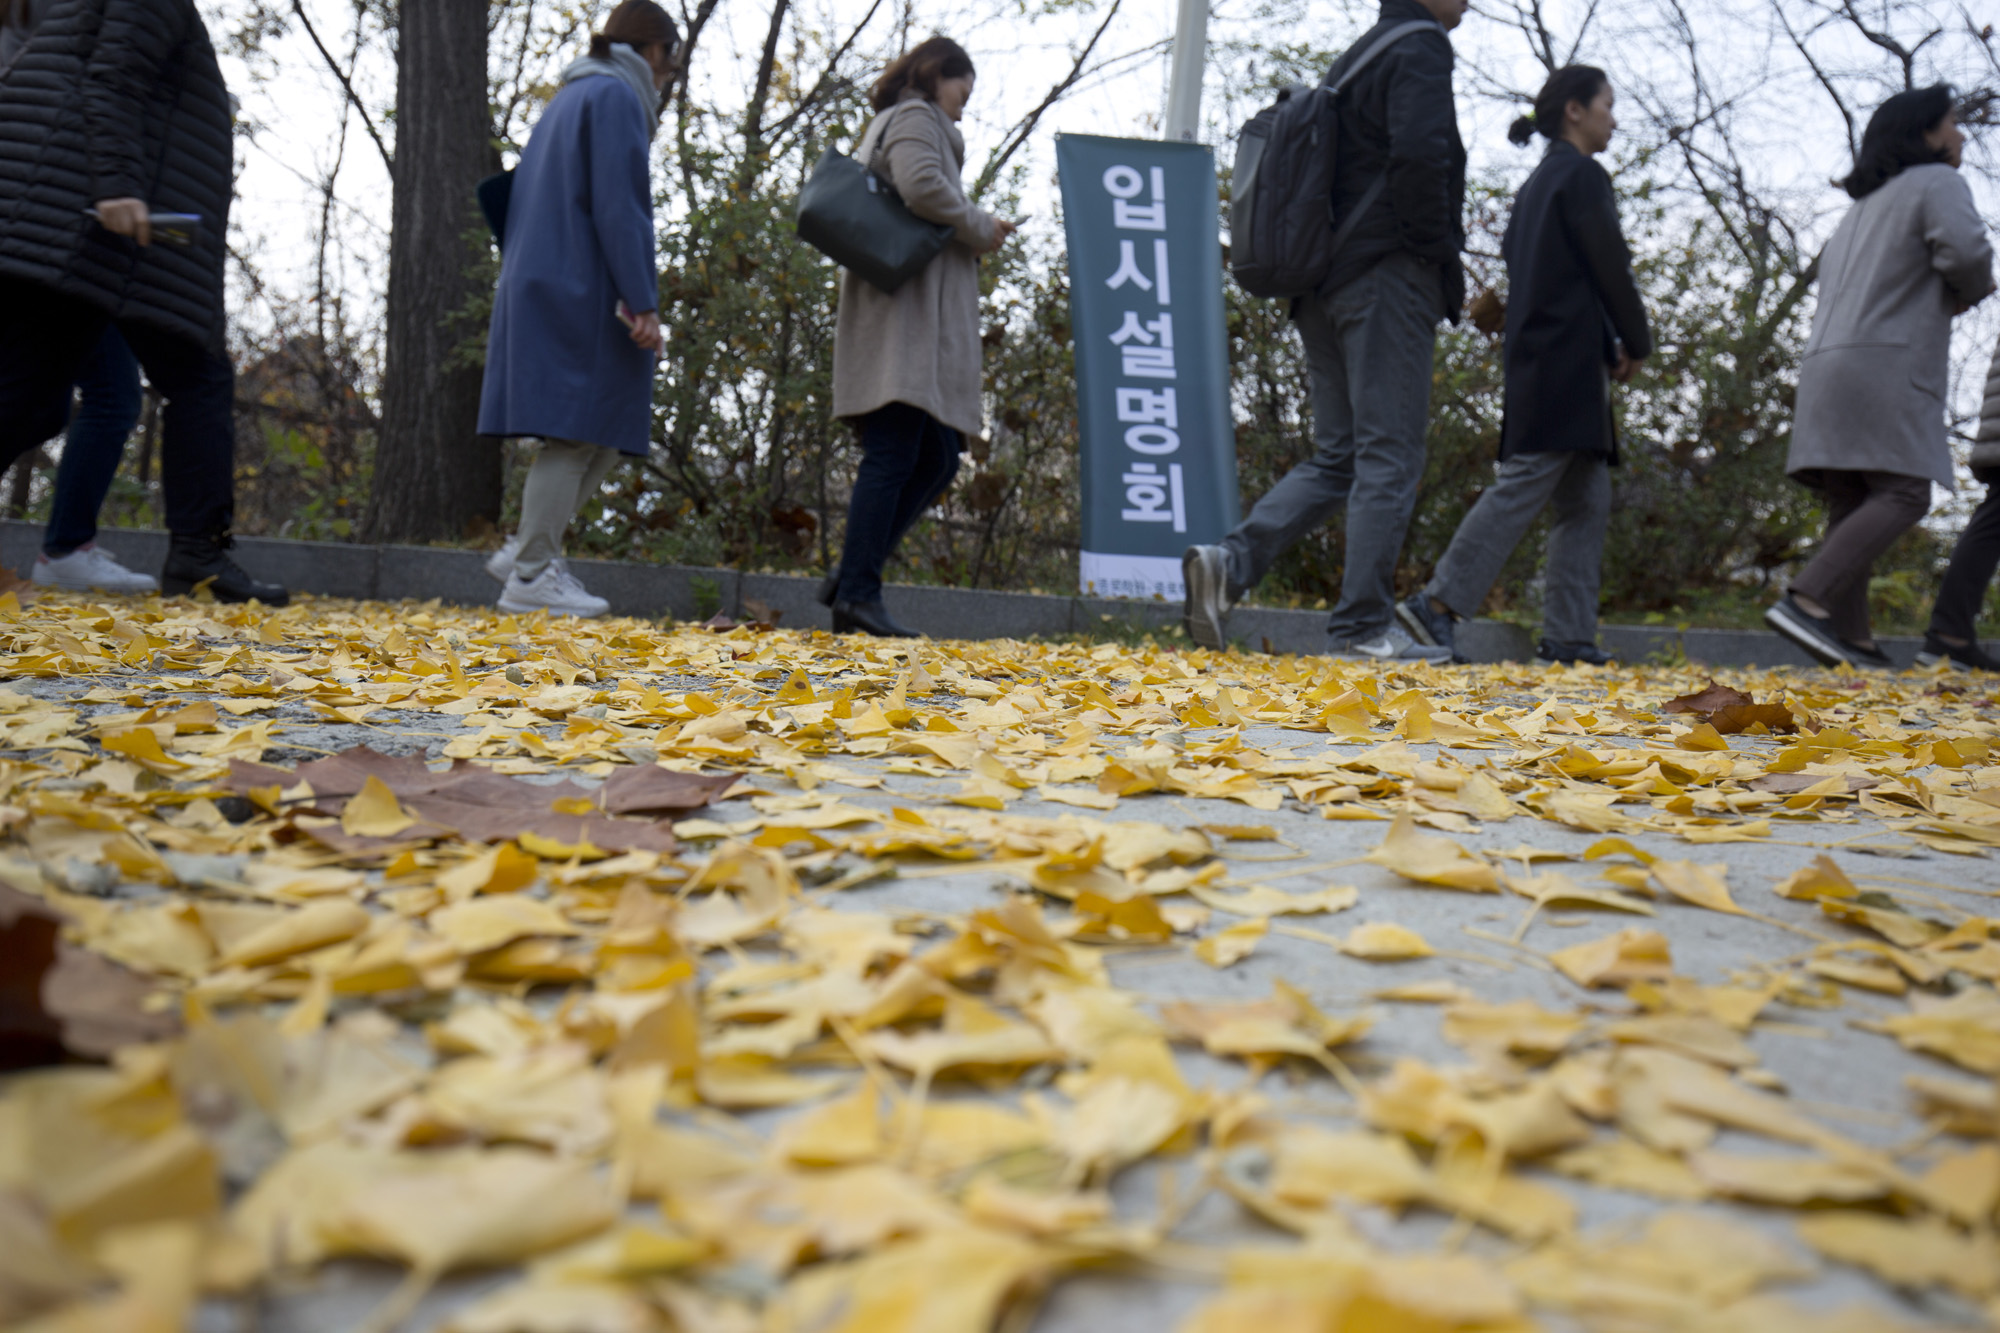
113,112
1574,324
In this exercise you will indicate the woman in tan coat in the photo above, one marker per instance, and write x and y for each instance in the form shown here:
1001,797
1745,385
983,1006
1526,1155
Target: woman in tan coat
906,363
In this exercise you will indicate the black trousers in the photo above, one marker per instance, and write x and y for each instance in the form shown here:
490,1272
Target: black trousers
1973,560
908,458
45,339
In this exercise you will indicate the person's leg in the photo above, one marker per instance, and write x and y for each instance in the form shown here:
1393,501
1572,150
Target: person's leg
197,465
554,489
1492,528
1872,510
937,465
1955,615
107,409
891,442
1306,497
1575,563
197,428
44,340
1387,321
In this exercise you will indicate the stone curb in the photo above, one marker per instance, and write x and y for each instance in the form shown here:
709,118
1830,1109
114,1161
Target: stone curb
420,573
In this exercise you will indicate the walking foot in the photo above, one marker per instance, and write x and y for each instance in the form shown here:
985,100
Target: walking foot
869,618
1808,631
89,568
1205,570
195,560
554,590
1955,656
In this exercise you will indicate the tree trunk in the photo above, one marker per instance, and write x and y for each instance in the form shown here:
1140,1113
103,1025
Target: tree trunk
434,474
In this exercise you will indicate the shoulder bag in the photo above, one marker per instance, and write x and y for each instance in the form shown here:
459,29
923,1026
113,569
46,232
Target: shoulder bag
855,218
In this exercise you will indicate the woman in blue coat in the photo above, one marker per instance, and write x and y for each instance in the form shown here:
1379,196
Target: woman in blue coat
576,327
1575,324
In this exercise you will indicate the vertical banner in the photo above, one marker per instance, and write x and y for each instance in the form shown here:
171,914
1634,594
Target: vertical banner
1158,463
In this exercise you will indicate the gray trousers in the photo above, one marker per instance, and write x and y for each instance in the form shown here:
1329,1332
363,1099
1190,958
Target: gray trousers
564,475
1368,349
1866,512
1579,486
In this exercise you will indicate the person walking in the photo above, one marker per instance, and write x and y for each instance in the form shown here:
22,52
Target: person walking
1952,637
1575,323
906,364
108,402
125,115
1369,334
576,327
1869,428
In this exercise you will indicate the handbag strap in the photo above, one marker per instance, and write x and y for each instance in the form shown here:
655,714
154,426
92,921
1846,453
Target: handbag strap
880,130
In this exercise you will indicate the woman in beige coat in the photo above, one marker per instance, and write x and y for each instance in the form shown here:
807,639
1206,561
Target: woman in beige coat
1869,429
906,363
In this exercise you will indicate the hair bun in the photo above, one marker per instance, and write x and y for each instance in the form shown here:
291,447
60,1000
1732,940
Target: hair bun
1522,131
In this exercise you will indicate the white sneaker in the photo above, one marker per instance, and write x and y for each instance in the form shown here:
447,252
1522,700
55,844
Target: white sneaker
556,591
1395,644
87,568
500,565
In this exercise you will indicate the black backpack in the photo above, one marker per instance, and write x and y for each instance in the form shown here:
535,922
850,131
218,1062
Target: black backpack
1282,240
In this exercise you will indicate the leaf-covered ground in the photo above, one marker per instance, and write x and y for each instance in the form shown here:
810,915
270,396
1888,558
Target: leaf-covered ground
420,967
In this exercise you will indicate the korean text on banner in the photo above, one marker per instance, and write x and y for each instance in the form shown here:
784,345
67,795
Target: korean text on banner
1158,463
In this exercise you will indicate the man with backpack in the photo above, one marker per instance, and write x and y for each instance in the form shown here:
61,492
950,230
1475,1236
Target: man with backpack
1369,325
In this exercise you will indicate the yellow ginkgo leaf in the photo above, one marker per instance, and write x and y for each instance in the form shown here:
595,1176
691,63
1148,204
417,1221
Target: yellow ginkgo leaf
1429,859
1231,945
373,812
1385,942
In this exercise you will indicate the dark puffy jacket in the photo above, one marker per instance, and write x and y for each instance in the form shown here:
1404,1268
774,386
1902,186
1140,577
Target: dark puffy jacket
118,99
1398,116
1571,299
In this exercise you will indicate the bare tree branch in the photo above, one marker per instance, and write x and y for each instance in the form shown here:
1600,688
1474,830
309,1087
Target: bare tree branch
760,95
1011,143
347,85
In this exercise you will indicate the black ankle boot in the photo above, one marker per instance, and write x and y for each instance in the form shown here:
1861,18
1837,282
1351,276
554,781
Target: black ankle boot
193,558
828,589
869,618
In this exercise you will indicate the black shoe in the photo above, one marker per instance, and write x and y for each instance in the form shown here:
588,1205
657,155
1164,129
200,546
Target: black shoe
193,560
1959,657
869,618
1552,652
1874,659
828,589
1808,631
1433,629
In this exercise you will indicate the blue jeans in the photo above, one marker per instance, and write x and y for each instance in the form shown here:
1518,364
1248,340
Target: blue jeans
109,388
908,457
1368,349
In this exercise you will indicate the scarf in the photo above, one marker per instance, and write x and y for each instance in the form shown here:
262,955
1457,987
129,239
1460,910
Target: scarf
629,66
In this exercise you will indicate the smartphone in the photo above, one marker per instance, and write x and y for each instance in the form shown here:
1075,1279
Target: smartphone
179,229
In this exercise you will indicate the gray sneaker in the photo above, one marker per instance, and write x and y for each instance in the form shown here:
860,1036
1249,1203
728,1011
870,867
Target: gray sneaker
1206,572
1394,644
1434,629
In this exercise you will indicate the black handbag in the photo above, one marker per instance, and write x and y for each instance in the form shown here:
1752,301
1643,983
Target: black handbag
856,219
494,194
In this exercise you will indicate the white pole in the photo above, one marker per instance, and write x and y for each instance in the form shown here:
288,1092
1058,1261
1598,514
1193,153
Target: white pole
1190,58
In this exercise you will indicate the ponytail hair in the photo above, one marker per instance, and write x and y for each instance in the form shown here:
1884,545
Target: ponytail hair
635,23
1894,138
1571,83
922,67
